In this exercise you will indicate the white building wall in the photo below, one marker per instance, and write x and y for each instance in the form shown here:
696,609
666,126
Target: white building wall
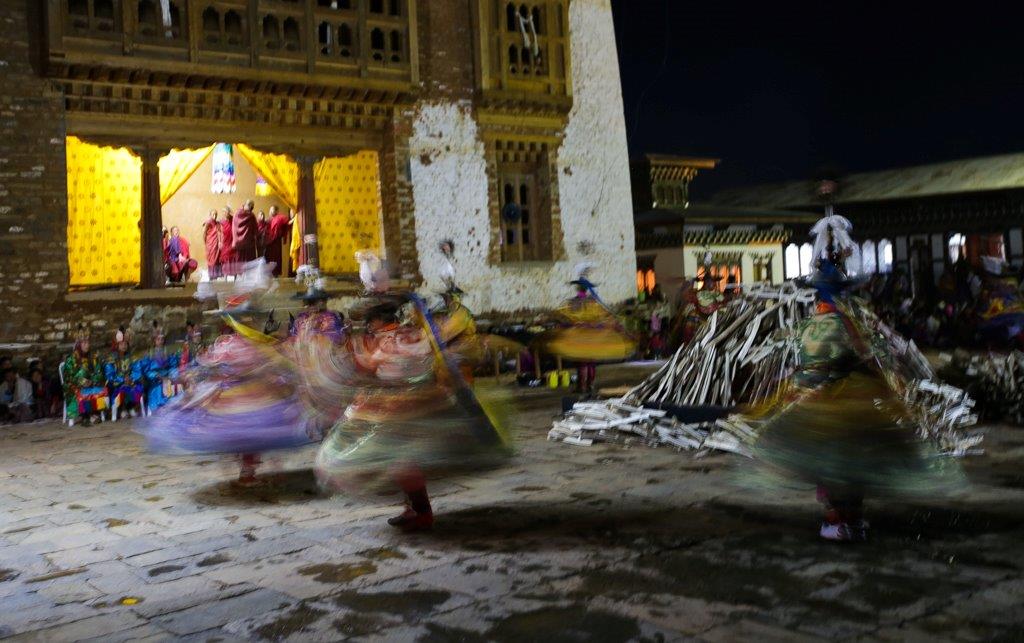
451,199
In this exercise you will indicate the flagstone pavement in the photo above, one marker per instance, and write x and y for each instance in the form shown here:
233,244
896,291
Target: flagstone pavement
101,540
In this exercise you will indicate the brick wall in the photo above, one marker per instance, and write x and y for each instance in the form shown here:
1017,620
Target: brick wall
34,305
446,48
33,195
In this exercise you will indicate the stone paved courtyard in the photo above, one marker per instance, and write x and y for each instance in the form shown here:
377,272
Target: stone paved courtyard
99,539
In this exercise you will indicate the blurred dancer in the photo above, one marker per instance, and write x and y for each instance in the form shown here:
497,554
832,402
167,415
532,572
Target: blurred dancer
589,333
840,426
414,416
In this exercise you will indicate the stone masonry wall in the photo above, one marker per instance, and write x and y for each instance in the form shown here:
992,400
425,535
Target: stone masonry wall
450,186
33,196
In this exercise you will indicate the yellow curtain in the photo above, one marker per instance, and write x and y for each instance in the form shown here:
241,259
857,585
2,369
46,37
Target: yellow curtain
295,249
104,212
279,170
178,167
347,209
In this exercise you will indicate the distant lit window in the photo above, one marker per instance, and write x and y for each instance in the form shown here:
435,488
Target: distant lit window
869,258
884,256
805,259
792,261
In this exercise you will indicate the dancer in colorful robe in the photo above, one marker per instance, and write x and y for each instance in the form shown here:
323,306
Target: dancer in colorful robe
414,417
242,398
124,376
589,333
838,424
212,235
85,397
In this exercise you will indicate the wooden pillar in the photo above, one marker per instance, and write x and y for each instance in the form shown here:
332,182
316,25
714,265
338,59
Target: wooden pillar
152,261
307,209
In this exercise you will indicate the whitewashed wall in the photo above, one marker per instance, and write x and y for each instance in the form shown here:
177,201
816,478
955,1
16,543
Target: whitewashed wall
450,186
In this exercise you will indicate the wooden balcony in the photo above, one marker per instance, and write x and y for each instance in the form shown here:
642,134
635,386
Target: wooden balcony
364,45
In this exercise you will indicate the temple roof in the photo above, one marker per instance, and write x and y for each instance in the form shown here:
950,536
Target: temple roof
719,214
952,177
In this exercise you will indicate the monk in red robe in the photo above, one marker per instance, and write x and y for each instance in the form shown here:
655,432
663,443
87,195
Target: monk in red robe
178,258
227,250
261,228
277,237
212,240
245,234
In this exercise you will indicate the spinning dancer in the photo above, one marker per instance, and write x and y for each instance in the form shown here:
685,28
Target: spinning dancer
590,332
840,425
414,417
242,398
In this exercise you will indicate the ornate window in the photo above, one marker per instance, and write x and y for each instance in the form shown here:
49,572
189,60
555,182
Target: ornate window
234,28
292,34
159,20
762,265
523,201
524,46
92,15
222,29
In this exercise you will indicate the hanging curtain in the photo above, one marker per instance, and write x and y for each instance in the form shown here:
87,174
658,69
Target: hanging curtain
295,249
104,213
348,209
281,174
223,179
177,168
279,170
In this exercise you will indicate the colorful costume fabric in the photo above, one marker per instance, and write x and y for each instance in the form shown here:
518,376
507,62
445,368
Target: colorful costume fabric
161,377
178,258
124,377
241,398
415,414
84,394
589,333
840,425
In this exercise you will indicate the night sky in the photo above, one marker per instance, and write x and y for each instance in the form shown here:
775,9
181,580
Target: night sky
786,90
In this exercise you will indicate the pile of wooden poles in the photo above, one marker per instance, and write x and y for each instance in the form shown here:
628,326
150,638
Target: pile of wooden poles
997,378
739,355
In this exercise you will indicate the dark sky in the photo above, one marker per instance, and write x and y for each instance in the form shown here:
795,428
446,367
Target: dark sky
782,90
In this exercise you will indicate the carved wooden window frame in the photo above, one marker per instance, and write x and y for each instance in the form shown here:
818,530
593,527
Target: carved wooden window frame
527,167
499,71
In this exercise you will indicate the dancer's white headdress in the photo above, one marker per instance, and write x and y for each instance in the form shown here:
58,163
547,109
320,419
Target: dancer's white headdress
834,230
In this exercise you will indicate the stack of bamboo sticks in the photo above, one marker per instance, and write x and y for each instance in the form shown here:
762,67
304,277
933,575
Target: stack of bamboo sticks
741,355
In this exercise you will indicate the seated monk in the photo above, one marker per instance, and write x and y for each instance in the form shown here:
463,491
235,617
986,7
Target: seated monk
177,258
